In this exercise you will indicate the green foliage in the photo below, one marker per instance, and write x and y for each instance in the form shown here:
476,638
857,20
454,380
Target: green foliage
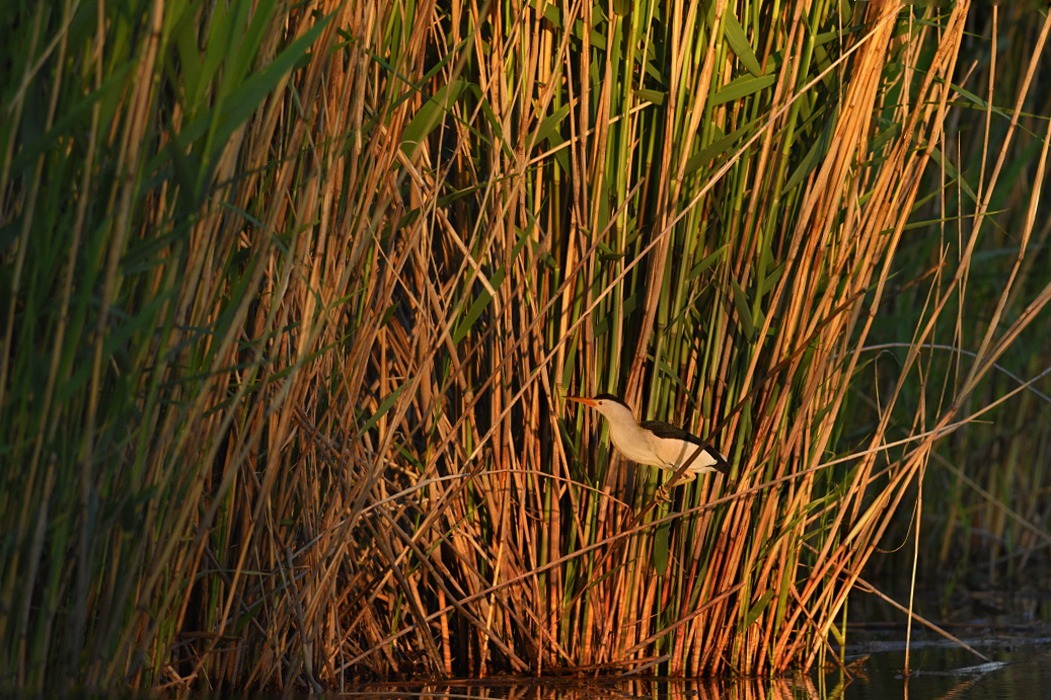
122,301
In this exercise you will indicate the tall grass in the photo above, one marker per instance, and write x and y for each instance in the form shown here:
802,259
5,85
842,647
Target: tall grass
985,521
293,292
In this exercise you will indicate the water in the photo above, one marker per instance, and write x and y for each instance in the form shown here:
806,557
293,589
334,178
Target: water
1018,669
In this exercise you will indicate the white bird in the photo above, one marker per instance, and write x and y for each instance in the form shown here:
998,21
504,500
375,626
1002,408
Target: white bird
653,442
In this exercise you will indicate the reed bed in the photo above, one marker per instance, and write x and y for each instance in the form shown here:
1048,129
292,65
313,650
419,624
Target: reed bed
985,524
293,293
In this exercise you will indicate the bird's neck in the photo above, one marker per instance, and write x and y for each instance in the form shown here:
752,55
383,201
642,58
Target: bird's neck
631,439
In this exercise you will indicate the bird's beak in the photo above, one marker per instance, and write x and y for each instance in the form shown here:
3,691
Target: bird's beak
584,400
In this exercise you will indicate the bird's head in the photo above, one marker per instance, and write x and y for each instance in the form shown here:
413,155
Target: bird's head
606,404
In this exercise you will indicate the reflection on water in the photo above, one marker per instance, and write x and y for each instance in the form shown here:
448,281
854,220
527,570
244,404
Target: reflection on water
611,689
1018,672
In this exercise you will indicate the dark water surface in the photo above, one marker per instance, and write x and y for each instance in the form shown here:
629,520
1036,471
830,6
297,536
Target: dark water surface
1018,669
1015,672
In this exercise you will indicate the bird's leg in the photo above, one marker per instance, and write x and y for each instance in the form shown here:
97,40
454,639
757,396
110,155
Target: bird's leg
663,493
679,478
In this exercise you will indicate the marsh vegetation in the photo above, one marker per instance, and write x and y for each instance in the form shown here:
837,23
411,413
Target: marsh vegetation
292,294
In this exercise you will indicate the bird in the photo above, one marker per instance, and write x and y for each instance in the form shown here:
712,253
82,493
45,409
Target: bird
655,443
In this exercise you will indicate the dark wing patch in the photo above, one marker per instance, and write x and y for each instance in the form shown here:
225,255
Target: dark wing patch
664,430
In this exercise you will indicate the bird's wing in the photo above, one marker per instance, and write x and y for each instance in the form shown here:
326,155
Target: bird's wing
664,430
